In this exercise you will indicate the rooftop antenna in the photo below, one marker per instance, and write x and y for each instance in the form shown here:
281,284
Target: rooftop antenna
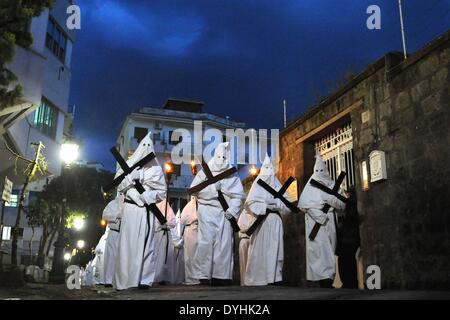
402,28
284,110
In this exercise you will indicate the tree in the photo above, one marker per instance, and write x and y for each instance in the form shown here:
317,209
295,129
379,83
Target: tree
76,192
15,16
42,214
38,164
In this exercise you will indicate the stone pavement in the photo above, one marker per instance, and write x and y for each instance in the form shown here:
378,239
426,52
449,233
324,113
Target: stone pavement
56,292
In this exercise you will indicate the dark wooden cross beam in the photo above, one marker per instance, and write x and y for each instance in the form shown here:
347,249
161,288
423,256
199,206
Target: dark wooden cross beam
280,193
259,220
126,169
210,179
326,207
276,194
137,184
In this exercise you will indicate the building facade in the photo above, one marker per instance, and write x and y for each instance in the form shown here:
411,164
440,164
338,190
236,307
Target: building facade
388,129
161,123
44,71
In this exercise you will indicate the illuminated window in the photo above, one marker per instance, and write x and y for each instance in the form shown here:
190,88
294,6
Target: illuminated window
6,233
56,40
46,118
13,201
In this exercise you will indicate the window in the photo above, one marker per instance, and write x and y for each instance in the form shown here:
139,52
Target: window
6,233
140,133
46,118
157,136
56,40
177,170
13,201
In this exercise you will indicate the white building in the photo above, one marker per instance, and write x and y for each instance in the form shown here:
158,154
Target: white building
161,122
44,71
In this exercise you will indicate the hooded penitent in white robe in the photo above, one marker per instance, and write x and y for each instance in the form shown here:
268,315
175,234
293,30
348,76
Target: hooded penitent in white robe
265,254
111,214
165,267
98,262
214,255
135,263
320,260
189,222
244,222
177,239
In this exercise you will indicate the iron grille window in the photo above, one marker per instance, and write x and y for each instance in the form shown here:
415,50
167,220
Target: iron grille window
46,119
56,40
336,149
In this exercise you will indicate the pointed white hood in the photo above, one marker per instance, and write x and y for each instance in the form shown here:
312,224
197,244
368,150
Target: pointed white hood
143,149
312,197
221,159
258,197
321,173
267,172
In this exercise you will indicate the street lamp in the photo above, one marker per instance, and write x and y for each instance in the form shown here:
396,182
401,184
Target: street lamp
81,244
103,223
67,256
78,223
68,153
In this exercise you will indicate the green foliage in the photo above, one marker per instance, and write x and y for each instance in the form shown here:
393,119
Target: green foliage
72,216
15,16
77,191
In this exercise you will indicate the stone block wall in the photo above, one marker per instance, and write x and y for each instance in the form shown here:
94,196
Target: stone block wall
405,226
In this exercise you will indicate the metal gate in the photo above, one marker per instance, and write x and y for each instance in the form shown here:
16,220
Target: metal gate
336,149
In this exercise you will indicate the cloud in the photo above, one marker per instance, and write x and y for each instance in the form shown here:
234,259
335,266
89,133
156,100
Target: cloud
151,31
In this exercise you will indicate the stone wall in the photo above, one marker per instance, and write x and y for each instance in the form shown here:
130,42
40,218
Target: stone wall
405,225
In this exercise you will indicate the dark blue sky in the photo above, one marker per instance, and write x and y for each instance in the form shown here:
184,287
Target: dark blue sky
241,57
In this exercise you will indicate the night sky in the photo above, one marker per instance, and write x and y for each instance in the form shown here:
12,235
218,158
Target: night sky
240,57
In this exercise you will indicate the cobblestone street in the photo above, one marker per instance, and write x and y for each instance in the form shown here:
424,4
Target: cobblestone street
43,291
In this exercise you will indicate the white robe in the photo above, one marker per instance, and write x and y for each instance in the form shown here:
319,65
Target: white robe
165,266
244,222
98,262
190,223
112,242
320,259
112,214
135,264
214,255
178,242
266,251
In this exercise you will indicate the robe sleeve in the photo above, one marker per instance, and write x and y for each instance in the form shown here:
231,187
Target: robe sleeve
155,185
333,201
232,188
317,215
281,207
